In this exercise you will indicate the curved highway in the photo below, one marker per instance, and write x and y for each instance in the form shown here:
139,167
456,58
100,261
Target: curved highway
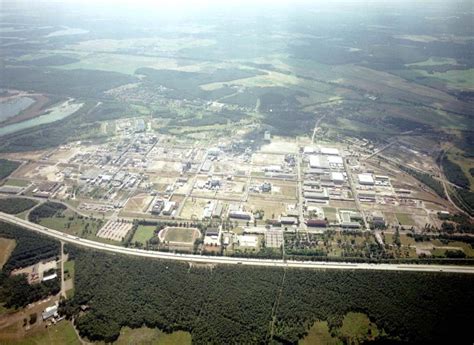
227,260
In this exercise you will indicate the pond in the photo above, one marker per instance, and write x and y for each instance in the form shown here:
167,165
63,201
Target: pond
52,114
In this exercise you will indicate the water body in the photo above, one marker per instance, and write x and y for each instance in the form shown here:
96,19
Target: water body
14,106
67,31
53,114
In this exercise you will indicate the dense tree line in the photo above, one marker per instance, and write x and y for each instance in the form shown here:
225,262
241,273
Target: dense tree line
427,179
460,223
218,304
16,292
30,247
235,304
454,173
414,307
7,167
467,199
46,210
16,205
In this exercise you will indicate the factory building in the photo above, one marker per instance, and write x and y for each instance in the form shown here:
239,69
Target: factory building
318,162
240,215
321,194
329,151
316,223
378,219
337,177
366,179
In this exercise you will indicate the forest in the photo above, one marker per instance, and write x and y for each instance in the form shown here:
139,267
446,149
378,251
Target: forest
30,248
454,173
425,178
7,167
16,205
236,305
16,292
46,210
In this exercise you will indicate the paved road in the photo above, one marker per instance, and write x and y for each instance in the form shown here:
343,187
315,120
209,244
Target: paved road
228,260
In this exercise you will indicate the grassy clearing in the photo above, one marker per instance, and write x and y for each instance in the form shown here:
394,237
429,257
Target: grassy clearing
467,249
16,182
70,223
405,219
69,269
406,240
4,310
357,328
152,336
457,156
319,335
435,61
463,79
6,248
61,334
179,235
143,233
330,213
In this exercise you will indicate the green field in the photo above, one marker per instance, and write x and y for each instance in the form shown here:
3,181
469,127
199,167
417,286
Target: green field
455,78
61,334
357,328
319,335
185,235
143,233
4,310
69,269
69,222
330,213
16,182
151,336
7,167
405,219
6,248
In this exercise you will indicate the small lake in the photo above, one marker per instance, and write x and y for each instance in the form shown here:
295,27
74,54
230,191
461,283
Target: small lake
53,114
67,31
14,106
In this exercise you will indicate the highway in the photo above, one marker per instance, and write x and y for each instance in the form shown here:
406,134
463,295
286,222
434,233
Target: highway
228,260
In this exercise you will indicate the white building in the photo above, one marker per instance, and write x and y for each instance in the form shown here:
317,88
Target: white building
329,151
337,177
335,160
319,162
366,179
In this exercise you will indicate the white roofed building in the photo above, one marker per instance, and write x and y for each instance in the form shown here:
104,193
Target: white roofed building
329,151
366,179
337,177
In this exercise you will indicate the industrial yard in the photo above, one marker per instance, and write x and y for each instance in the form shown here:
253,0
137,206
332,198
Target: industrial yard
289,194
